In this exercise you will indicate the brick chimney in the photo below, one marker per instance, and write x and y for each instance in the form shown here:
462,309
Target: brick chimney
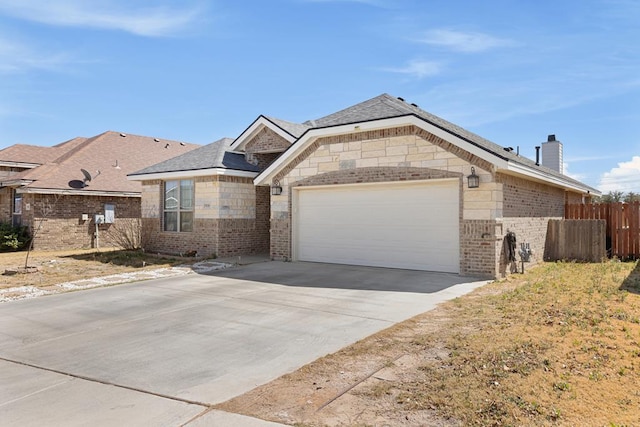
552,154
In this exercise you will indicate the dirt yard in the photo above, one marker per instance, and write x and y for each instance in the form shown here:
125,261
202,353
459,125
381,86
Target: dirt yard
559,345
55,267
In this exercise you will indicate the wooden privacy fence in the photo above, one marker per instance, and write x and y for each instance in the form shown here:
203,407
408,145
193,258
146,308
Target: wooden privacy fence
572,239
622,225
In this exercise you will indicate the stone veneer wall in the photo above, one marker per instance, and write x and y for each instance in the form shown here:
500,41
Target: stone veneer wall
60,223
398,154
231,218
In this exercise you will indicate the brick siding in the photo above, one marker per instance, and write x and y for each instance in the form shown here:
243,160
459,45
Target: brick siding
266,140
265,147
5,204
528,207
59,219
478,241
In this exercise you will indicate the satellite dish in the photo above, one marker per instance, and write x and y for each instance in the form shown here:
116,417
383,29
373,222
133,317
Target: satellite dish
87,177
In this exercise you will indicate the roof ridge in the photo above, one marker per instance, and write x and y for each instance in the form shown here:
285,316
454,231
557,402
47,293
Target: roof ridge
62,144
74,150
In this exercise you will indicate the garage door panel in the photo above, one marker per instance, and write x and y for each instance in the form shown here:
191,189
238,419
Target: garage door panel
401,225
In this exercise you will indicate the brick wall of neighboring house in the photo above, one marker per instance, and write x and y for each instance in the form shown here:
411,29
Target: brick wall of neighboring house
6,195
231,218
58,222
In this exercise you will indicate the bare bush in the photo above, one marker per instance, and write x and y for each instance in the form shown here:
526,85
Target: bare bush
128,233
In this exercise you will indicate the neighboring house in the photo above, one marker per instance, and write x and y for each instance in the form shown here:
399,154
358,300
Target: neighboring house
45,188
381,183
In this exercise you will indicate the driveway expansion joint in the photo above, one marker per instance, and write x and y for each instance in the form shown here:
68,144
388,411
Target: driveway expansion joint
99,381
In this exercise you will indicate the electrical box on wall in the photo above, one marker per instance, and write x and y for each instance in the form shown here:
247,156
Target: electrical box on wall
99,219
85,217
109,213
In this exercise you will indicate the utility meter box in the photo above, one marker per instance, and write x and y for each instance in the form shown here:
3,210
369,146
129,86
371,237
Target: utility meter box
99,219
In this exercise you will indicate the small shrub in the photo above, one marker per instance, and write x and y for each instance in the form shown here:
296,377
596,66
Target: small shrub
13,238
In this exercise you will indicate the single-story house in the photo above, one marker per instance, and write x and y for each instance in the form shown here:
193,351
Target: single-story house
382,183
58,191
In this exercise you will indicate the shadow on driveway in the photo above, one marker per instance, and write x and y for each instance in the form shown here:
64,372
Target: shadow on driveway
319,275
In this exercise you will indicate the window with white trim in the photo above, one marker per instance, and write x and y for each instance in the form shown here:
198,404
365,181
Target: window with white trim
178,205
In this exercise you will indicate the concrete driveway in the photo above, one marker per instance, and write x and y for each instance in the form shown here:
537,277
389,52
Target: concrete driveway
161,352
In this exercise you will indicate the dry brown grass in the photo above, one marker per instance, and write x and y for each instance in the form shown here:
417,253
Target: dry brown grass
559,345
62,266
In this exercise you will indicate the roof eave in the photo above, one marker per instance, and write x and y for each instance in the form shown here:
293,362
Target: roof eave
76,192
23,165
514,168
191,174
15,182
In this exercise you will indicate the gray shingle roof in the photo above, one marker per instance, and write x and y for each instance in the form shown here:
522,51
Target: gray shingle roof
386,106
214,155
294,129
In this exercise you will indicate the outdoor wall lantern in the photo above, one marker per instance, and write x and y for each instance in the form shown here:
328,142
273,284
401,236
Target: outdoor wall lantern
473,179
276,189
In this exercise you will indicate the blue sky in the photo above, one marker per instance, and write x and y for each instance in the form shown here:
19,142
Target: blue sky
196,70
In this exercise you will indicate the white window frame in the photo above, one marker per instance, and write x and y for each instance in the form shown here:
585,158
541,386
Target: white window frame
179,209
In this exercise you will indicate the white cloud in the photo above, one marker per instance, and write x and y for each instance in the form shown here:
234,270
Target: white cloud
567,172
625,178
469,42
110,14
418,69
18,57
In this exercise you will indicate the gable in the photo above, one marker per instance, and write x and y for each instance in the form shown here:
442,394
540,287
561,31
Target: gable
259,125
266,141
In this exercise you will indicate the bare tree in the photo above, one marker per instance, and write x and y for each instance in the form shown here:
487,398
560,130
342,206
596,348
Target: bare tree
46,208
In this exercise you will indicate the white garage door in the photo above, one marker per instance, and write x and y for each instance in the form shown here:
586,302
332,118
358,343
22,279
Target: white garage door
412,225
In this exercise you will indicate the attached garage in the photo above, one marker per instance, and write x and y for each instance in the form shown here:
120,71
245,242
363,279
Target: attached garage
409,224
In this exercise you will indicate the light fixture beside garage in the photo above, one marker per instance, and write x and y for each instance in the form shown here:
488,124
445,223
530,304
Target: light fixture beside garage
276,189
473,180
